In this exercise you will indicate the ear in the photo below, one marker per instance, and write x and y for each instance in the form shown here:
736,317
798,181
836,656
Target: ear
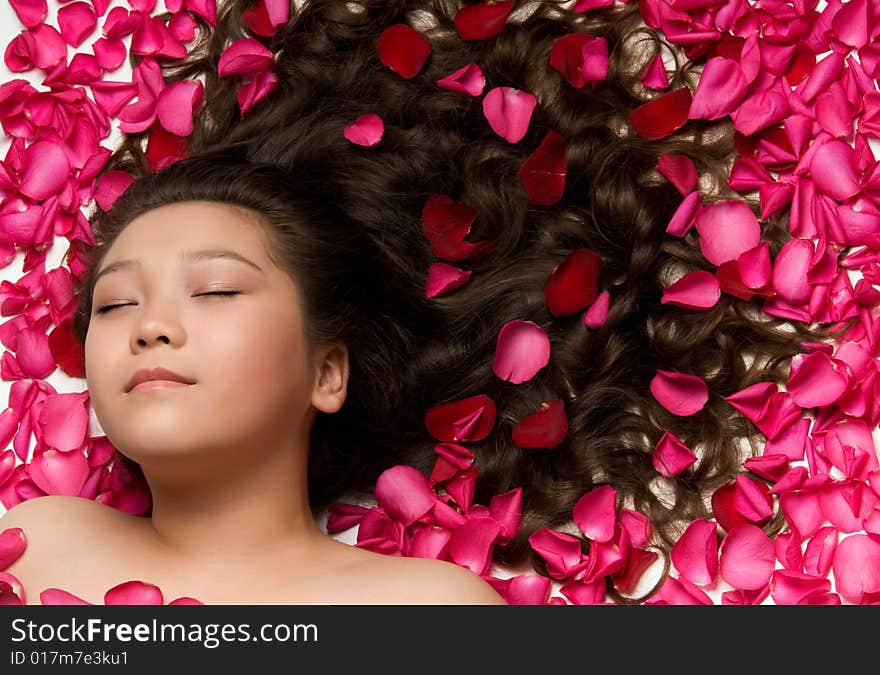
331,377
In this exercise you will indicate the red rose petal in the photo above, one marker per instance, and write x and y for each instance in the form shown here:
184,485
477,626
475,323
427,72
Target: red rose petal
443,278
468,419
662,116
543,173
680,171
546,428
573,284
403,49
482,21
581,59
508,111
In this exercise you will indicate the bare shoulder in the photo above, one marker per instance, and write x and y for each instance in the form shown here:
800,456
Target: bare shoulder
405,580
53,527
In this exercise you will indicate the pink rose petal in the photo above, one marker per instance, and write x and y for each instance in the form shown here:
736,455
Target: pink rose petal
134,593
561,551
30,12
366,130
695,290
671,456
471,544
727,229
404,493
443,278
747,557
595,513
522,349
508,111
64,421
695,554
12,544
856,567
76,20
820,550
56,596
816,380
595,316
177,104
789,587
721,87
246,56
679,393
791,268
833,170
59,473
468,80
46,170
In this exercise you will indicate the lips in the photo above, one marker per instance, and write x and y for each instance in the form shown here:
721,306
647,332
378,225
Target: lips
158,373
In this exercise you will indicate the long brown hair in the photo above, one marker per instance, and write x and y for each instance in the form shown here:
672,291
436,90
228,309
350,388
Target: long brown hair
615,203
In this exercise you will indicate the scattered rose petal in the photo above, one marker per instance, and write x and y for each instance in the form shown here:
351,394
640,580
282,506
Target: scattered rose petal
671,456
747,557
695,554
596,513
403,49
727,228
468,419
366,130
679,393
663,115
546,428
573,284
508,111
543,173
581,59
404,493
468,79
522,349
443,278
482,21
695,290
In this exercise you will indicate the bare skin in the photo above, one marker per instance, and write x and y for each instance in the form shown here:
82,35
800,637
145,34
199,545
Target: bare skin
225,457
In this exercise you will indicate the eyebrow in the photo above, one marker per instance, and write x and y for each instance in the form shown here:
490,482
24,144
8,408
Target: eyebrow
204,254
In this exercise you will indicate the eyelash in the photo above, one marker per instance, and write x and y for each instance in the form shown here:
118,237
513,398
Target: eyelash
107,308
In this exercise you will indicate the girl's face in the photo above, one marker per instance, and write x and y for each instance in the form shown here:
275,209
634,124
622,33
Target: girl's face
245,352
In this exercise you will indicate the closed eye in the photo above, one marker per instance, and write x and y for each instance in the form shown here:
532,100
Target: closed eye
107,308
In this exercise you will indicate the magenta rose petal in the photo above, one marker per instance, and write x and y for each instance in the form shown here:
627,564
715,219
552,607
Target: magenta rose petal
595,513
747,557
680,393
59,473
833,168
654,75
789,587
528,589
581,59
521,350
430,542
57,596
595,316
64,420
177,104
506,508
134,593
802,510
76,20
637,526
754,266
684,217
12,544
816,380
679,592
255,90
404,493
471,544
671,456
343,516
695,290
856,567
443,278
468,79
695,554
752,499
727,229
508,111
30,12
46,170
819,554
366,130
246,56
721,87
403,49
791,271
560,551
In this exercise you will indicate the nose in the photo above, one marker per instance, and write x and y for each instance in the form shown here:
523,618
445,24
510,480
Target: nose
156,325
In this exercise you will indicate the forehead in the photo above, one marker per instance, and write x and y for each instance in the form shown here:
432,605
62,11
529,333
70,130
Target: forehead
171,227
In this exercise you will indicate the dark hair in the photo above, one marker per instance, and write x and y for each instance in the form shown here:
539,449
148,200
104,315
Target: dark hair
419,352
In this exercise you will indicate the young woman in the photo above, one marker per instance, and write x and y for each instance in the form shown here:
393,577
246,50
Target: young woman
516,165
